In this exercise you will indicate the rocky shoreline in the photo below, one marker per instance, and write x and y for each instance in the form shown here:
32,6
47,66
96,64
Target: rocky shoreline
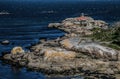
74,53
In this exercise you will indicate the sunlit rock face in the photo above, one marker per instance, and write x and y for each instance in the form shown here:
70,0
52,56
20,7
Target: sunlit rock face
67,44
90,48
58,54
16,50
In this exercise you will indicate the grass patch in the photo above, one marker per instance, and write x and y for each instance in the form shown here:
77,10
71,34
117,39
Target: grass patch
114,46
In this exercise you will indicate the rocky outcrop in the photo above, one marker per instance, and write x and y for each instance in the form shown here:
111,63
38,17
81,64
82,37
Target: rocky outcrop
16,54
80,25
71,28
88,47
70,54
66,57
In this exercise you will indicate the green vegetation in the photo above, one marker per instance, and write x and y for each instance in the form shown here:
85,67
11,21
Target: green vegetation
111,45
116,36
102,35
111,36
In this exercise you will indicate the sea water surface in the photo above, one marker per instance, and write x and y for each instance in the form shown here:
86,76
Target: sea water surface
28,20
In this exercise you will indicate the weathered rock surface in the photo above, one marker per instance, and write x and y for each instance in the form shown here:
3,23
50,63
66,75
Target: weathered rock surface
80,25
16,55
58,54
88,47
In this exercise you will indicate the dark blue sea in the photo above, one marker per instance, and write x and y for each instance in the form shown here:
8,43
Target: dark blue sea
28,19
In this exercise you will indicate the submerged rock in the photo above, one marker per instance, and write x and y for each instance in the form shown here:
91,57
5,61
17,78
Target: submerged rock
5,42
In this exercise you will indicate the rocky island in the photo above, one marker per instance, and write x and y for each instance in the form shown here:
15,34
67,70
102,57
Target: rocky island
79,51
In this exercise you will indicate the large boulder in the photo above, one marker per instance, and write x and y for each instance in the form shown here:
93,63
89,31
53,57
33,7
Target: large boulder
57,54
16,50
17,53
88,47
